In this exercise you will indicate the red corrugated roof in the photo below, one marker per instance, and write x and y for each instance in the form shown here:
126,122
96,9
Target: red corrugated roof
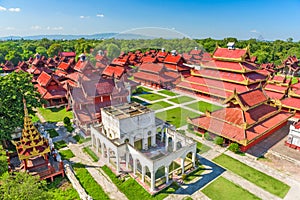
274,95
44,79
229,53
68,54
151,67
252,97
64,66
278,88
113,71
291,102
173,59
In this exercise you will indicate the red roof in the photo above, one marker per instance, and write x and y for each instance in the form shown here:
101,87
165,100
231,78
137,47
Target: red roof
274,95
64,66
44,79
173,59
148,59
252,97
74,76
291,102
229,53
67,54
120,61
229,66
151,67
81,65
278,88
111,71
162,54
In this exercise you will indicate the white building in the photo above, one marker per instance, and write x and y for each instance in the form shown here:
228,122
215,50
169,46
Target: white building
294,136
128,139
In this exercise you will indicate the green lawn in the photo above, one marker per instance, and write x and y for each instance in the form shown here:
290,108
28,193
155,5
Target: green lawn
66,154
224,189
61,189
182,99
151,96
159,105
145,89
139,101
202,148
91,153
60,144
260,179
168,92
135,191
203,106
195,174
53,133
80,139
176,116
55,114
88,183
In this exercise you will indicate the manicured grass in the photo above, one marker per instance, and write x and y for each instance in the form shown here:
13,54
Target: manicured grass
182,99
176,116
55,114
159,105
151,96
145,89
203,106
202,148
34,118
139,101
66,154
60,144
135,191
88,182
195,174
61,189
91,153
260,179
224,189
53,133
168,92
80,139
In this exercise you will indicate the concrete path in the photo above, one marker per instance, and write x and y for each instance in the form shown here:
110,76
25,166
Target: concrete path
110,188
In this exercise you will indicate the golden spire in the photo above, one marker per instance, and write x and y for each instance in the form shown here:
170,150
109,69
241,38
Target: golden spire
25,107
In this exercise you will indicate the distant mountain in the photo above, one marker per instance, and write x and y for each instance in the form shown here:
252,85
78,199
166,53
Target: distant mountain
98,36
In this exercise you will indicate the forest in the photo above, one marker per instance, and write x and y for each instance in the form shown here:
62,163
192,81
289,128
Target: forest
266,51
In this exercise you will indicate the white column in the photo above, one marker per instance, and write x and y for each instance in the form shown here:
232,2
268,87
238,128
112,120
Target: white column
117,162
145,143
127,160
153,140
167,173
162,135
152,180
97,145
134,166
194,159
182,165
102,149
108,155
143,173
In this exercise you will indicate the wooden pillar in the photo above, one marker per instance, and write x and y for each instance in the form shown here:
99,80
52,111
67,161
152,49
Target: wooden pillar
25,164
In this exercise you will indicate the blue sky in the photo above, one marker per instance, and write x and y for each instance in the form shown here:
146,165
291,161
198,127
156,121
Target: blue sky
273,19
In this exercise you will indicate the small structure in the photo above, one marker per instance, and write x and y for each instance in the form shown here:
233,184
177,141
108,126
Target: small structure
128,139
33,152
293,139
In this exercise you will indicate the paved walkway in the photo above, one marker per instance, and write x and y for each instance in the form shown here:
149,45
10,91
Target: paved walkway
110,188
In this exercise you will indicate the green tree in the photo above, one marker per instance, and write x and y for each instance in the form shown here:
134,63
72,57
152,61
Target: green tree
23,186
14,57
54,49
113,51
3,161
218,140
41,50
13,87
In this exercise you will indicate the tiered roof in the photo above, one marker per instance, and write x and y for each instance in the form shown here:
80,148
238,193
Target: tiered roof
248,117
31,143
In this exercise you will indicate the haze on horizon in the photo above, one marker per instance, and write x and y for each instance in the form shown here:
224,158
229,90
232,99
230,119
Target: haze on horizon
271,19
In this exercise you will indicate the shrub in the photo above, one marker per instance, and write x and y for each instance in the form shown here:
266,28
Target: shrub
234,147
207,136
190,127
218,140
67,121
183,176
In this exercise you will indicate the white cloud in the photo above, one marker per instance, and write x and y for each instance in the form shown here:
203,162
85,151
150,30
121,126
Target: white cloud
84,17
100,15
36,27
14,9
57,28
9,28
2,8
254,31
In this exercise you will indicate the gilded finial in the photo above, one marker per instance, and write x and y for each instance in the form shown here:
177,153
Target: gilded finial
25,107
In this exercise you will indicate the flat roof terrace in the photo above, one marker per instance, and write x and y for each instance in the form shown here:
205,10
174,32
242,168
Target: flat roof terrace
126,110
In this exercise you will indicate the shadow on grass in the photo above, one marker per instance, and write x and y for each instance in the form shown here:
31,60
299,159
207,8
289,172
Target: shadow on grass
216,171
